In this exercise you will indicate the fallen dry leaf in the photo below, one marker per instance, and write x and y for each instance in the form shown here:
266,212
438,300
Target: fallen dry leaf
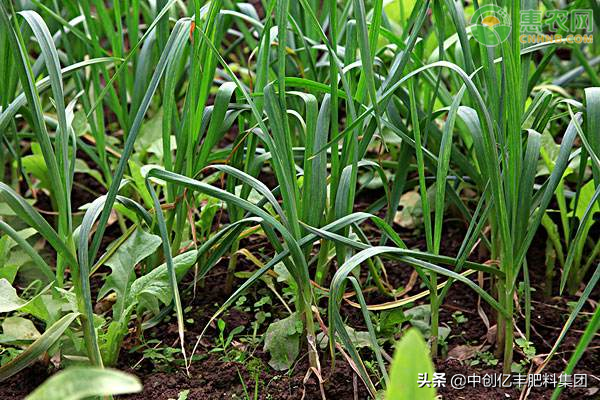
464,352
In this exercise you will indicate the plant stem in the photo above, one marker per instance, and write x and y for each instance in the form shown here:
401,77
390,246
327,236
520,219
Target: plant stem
508,294
550,264
231,267
313,359
322,263
500,321
435,316
508,334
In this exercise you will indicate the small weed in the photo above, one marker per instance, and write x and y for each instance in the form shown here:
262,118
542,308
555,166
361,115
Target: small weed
183,395
459,318
223,343
486,358
163,358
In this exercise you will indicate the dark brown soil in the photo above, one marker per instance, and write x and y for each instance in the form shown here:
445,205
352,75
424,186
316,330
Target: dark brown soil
23,383
213,378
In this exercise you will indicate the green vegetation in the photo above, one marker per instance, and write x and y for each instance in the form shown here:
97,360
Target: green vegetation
144,144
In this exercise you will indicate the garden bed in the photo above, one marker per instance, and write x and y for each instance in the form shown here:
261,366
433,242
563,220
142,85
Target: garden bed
275,199
214,376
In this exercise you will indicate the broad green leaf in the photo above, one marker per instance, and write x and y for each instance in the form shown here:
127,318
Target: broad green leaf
83,382
21,256
137,247
411,358
585,197
36,306
138,179
398,11
148,290
150,137
549,154
9,300
80,123
7,211
37,348
12,258
23,234
50,308
19,328
283,275
9,272
35,165
282,341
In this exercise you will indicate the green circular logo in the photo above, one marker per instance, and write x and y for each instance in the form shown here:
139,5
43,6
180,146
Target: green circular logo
491,25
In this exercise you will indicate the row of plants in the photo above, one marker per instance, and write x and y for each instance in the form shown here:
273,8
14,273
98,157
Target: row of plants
178,111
